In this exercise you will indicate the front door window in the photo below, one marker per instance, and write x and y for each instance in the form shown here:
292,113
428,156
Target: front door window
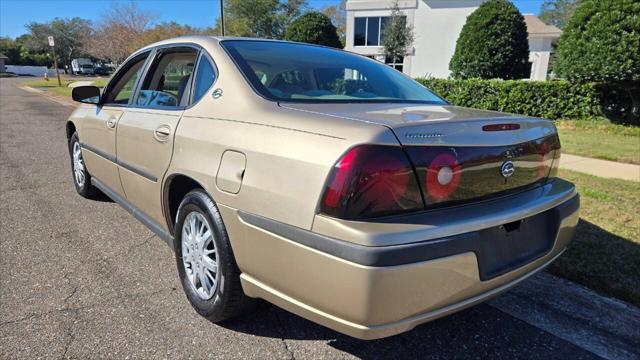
125,81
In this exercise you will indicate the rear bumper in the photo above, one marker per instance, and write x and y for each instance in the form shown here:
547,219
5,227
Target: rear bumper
376,291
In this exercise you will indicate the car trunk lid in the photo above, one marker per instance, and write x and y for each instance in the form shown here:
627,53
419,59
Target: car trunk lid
460,154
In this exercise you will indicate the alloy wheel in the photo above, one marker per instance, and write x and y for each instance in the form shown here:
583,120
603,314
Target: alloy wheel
199,255
78,165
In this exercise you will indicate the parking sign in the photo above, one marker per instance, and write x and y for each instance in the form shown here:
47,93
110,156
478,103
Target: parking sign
51,43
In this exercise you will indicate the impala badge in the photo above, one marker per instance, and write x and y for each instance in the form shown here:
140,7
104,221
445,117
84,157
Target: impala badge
423,135
507,169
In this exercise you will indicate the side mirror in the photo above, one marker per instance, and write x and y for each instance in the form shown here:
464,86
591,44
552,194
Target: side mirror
86,94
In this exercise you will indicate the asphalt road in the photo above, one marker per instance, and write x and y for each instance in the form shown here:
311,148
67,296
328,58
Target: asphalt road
84,279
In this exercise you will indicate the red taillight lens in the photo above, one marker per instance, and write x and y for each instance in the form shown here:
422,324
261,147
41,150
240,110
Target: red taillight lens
443,176
554,144
371,180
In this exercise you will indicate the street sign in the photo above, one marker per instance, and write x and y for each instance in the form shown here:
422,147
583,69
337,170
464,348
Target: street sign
55,62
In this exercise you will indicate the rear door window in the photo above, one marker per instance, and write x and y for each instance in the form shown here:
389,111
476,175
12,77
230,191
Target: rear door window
167,81
205,77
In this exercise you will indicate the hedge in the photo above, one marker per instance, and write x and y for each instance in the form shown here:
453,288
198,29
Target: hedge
548,99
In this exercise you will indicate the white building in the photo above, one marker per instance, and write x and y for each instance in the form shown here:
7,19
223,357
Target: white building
437,25
541,37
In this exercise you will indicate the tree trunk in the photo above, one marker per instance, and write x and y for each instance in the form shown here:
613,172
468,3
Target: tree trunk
634,94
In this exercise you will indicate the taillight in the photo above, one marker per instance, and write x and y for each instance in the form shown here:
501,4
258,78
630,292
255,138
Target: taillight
501,127
371,180
376,180
450,174
555,150
443,176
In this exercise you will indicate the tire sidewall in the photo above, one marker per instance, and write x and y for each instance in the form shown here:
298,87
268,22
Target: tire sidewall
198,201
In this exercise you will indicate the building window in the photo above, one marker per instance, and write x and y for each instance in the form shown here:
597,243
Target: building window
396,63
360,32
368,30
373,31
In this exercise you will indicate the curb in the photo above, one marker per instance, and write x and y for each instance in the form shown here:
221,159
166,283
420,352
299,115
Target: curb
56,99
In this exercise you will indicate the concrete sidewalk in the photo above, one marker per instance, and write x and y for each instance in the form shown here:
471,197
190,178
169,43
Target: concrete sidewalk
601,168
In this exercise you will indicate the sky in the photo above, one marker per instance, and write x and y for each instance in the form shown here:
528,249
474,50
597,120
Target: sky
15,14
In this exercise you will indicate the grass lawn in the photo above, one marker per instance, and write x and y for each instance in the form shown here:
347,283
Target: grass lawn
605,252
599,138
64,90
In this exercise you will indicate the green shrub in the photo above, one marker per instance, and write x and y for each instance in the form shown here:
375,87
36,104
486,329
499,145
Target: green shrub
492,44
602,43
547,99
314,28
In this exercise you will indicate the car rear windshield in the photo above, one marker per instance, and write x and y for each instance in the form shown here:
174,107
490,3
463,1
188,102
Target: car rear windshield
291,72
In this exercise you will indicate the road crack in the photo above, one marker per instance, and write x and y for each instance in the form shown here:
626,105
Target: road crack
281,330
70,333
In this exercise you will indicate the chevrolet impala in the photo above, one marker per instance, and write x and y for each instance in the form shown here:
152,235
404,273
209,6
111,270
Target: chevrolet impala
324,182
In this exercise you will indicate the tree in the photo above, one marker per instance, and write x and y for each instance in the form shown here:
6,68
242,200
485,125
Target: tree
288,12
493,44
397,36
12,50
260,18
557,12
602,43
119,32
71,36
18,54
314,28
338,16
168,30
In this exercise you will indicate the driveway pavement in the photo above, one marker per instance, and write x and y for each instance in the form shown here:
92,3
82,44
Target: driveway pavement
83,279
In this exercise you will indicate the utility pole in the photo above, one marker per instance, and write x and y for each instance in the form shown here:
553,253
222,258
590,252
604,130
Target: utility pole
55,62
222,16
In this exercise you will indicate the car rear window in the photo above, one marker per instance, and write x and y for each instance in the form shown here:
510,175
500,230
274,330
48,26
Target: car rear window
293,72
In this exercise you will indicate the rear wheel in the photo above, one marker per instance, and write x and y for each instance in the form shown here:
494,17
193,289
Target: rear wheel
81,177
206,265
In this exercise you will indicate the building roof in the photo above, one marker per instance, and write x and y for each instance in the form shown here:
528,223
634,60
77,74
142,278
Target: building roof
2,56
535,27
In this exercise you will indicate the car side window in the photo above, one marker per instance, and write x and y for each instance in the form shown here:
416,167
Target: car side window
125,81
205,77
167,81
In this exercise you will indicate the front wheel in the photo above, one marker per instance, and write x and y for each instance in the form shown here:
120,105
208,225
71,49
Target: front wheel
81,177
206,265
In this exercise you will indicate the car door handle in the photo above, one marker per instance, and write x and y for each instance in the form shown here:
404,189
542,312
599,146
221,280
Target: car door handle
111,123
162,133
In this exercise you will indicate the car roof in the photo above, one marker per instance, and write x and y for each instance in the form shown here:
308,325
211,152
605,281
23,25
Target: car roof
204,40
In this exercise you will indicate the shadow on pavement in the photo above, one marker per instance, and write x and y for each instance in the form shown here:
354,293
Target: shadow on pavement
478,332
101,197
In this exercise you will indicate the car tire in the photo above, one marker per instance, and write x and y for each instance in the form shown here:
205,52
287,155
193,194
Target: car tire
225,299
79,172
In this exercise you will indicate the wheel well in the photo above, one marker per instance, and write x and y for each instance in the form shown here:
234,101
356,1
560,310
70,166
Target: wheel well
71,128
177,187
